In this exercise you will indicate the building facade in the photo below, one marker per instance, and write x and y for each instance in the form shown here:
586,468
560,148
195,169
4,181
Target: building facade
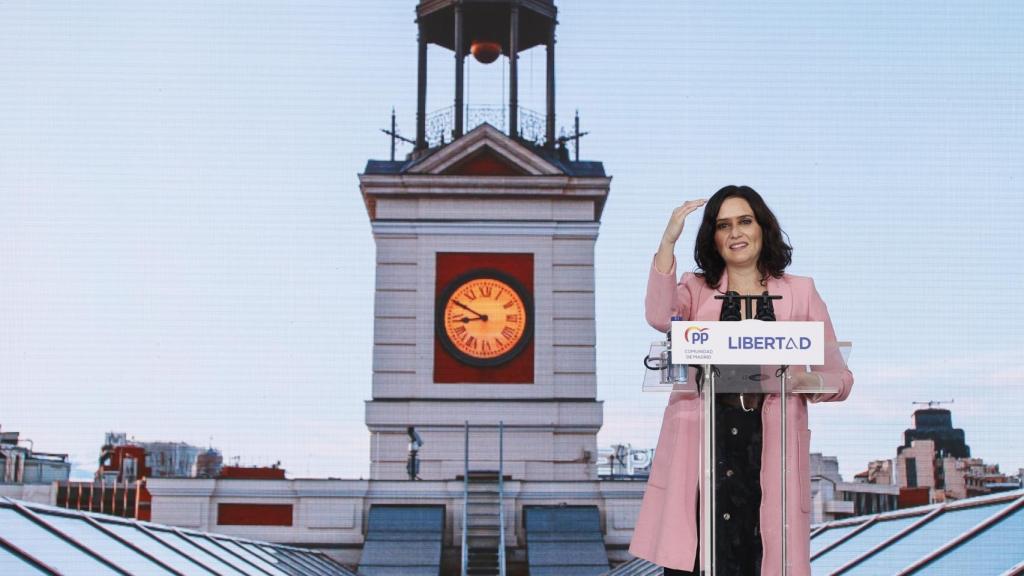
832,498
23,465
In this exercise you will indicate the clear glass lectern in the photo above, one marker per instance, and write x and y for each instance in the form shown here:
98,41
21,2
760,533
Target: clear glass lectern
776,381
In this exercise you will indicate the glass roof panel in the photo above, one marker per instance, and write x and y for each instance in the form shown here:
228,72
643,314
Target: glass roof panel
165,554
40,543
199,554
826,538
280,563
859,544
223,555
11,564
312,559
258,550
126,544
926,539
993,551
243,552
300,561
106,546
336,566
329,566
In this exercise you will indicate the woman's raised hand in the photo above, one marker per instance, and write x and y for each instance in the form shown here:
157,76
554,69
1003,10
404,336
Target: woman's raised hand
664,258
675,223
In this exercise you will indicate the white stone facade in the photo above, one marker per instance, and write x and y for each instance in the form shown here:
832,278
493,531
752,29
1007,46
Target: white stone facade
551,424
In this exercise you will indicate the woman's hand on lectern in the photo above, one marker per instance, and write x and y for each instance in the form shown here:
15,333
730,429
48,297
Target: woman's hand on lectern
807,380
663,260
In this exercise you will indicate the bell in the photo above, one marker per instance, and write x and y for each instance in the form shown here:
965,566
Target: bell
485,51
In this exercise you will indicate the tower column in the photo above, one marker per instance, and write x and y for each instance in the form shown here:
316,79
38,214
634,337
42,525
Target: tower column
513,72
460,58
421,88
551,88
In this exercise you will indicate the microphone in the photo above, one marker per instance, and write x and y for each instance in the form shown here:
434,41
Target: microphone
730,307
765,309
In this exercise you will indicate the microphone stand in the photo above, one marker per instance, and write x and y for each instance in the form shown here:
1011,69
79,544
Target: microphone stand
765,310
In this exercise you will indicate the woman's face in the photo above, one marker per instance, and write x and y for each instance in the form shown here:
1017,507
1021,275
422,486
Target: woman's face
737,233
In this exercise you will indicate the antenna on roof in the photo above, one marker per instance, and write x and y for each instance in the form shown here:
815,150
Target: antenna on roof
395,135
574,137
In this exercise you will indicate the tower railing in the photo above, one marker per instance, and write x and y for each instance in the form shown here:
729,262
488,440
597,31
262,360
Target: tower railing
441,123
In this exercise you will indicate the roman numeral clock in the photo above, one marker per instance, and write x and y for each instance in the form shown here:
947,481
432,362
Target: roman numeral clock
484,318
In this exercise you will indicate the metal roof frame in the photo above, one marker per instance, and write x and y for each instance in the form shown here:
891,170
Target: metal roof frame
964,537
28,558
36,519
1010,501
291,560
926,518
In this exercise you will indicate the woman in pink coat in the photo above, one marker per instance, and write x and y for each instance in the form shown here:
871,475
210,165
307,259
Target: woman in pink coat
740,249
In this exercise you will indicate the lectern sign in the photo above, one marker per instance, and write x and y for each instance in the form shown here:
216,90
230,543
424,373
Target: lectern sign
748,342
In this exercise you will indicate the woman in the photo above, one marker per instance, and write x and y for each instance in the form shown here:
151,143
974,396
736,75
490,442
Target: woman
740,248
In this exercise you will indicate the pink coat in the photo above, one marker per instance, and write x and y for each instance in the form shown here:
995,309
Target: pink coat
666,531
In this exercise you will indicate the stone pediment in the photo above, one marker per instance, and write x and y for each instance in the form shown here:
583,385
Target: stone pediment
485,150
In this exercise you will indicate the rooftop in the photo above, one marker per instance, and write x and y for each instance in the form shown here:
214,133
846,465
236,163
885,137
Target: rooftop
37,539
973,536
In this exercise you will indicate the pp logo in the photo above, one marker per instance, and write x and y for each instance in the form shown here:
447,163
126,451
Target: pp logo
696,335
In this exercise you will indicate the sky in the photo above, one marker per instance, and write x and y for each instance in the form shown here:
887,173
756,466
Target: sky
185,255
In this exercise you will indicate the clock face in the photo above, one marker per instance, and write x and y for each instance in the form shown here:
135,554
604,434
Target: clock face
484,318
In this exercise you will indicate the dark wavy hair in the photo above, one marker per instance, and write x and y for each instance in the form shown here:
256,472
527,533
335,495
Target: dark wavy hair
776,253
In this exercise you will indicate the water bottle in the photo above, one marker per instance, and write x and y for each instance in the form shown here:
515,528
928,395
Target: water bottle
672,373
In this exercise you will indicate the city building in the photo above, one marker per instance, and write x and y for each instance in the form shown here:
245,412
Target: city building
208,464
29,475
23,465
878,472
934,464
127,460
624,462
833,499
946,477
936,424
119,487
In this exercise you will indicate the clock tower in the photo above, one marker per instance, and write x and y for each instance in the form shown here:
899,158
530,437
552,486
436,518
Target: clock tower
484,302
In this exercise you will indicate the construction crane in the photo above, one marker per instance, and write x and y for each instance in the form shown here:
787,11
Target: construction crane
933,403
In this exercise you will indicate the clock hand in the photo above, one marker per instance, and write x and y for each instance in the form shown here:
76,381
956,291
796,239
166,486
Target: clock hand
463,306
465,320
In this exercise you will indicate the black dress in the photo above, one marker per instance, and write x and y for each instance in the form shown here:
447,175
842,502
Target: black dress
737,476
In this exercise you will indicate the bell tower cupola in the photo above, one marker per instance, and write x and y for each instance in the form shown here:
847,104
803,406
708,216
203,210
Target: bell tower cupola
486,30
